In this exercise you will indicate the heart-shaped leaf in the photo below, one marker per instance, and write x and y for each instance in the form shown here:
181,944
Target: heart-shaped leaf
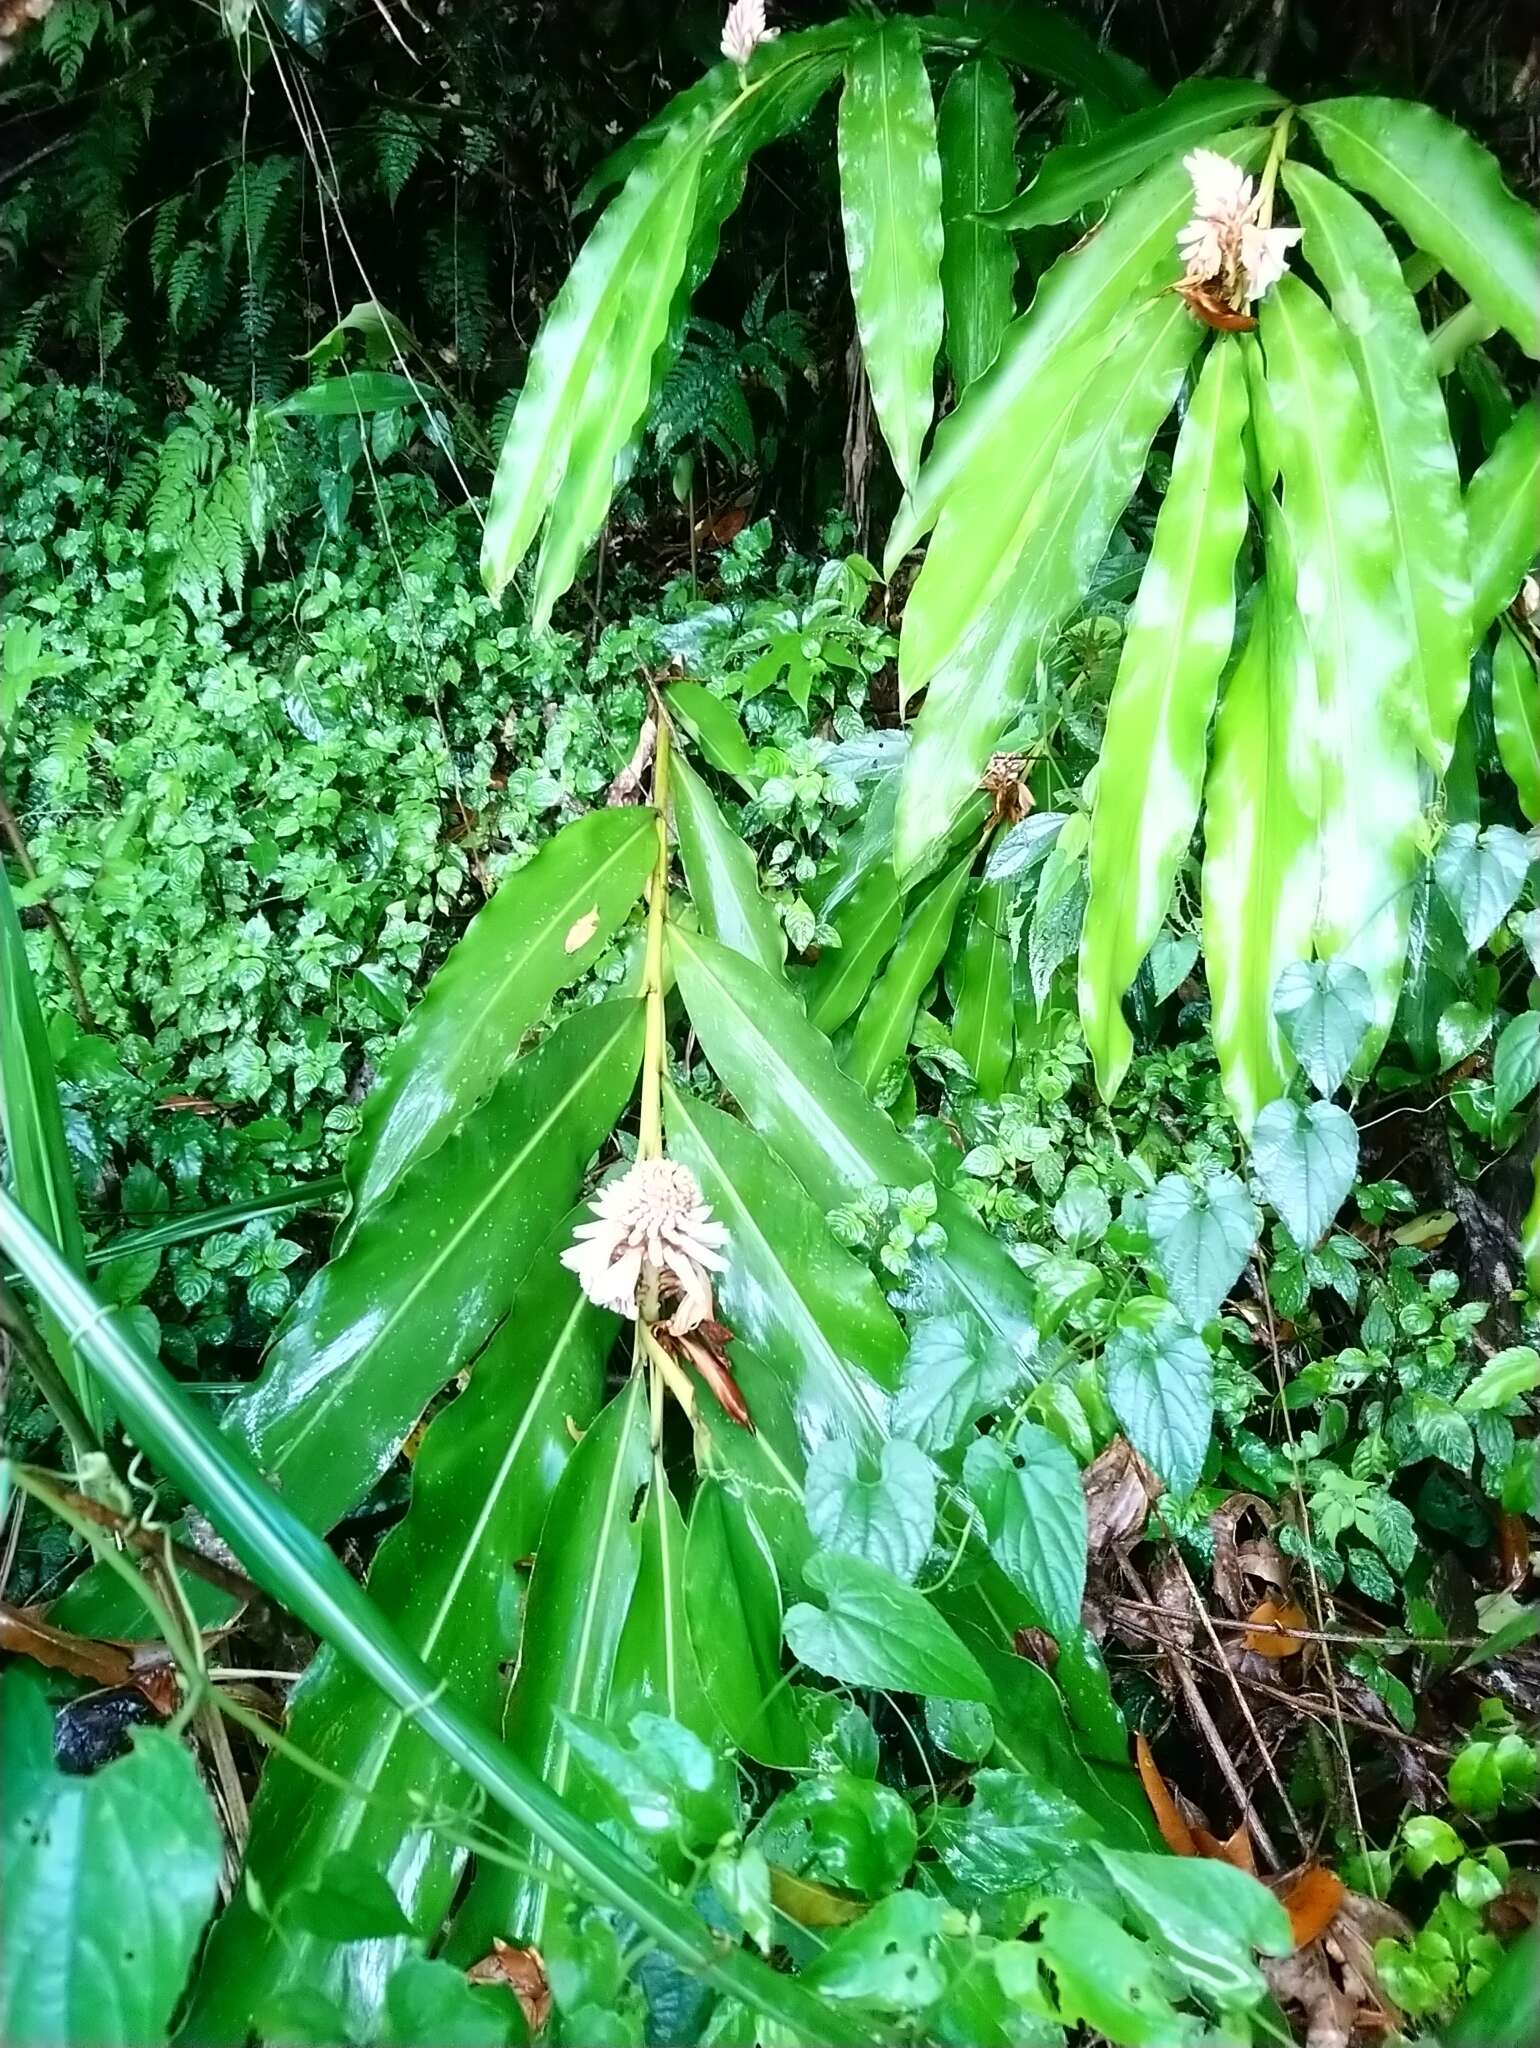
1201,1236
875,1630
1160,1382
950,1378
887,1519
1516,1062
1481,874
1324,1009
1034,1511
1305,1160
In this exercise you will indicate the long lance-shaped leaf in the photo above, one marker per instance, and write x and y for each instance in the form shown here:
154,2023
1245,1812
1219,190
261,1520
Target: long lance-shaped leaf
1382,331
976,134
614,306
723,879
1149,780
431,1274
482,1478
978,692
1502,507
1334,503
543,928
1516,717
1449,195
291,1563
36,1155
1044,42
983,1019
1079,174
579,1596
780,1070
882,1030
1080,298
890,197
654,1669
866,923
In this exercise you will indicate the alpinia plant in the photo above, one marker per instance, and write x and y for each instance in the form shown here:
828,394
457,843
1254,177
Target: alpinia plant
1300,650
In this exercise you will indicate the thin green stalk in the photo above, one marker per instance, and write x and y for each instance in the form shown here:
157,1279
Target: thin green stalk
293,1564
51,1383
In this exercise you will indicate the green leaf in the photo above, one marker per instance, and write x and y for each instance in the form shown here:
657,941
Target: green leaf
887,1958
723,877
823,1126
1324,1009
1034,1511
890,198
867,923
713,726
976,137
888,1518
1015,1833
984,1011
1449,195
1516,716
960,1728
427,2001
1366,796
432,1272
733,1614
545,926
350,393
1207,1917
981,685
107,1881
877,1631
1077,175
1202,1237
1046,43
481,1481
951,1377
1149,779
663,1783
1160,1382
588,378
887,1018
349,1900
1116,1985
1460,1030
1502,508
1305,1158
36,1156
654,1670
1516,1062
1409,426
1502,1380
1481,874
841,1830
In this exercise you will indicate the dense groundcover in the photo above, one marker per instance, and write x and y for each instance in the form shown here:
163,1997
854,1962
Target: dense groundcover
769,1024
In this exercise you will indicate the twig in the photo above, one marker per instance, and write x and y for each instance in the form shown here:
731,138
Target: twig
1392,1645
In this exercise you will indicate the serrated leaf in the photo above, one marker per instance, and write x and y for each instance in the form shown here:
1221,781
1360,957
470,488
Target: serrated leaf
887,1516
1160,1383
1202,1236
1034,1512
875,1630
1023,847
950,1378
1325,1009
1503,1379
1305,1158
1481,874
1516,1062
976,138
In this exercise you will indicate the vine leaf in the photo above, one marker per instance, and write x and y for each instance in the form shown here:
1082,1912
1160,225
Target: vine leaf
1202,1236
950,1378
1481,874
1305,1158
1160,1383
1033,1507
888,1518
875,1630
1324,1009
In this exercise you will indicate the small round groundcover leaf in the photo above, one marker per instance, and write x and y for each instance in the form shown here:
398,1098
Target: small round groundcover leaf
1324,1009
1305,1160
1160,1382
1202,1236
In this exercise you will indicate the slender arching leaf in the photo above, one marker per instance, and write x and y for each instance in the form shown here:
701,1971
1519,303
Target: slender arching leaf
1449,195
780,1070
1150,777
723,879
543,928
1045,42
733,1612
1382,331
579,1597
655,1669
591,359
976,135
480,1484
712,725
1516,715
1078,174
432,1272
37,1158
867,922
1334,503
883,1027
1502,506
890,197
983,1015
977,692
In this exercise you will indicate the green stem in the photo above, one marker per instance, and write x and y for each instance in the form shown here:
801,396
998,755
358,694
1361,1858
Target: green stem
1275,154
1452,337
51,1383
293,1564
649,1144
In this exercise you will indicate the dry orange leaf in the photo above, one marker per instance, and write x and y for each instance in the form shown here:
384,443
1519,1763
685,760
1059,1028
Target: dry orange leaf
1174,1831
1311,1903
1267,1638
1238,1851
523,1970
581,932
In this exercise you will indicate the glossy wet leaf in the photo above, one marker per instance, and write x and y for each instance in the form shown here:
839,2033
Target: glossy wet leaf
1202,1235
1160,1382
1516,717
1207,1916
1502,509
1305,1157
961,1728
655,1670
841,1829
1516,1062
1033,1507
1116,1985
1149,779
733,1613
430,1274
1448,193
723,877
976,137
951,1376
659,1780
495,983
983,1012
890,201
349,1900
428,2001
107,1881
1324,1009
888,1015
713,726
885,1513
1013,1834
1077,175
875,1630
887,1958
1045,42
1480,875
1018,852
867,922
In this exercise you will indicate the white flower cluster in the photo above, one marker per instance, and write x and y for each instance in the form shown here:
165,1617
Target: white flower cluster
744,30
654,1212
1224,245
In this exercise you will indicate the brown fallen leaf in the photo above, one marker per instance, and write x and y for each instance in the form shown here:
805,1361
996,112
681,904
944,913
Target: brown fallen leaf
810,1904
582,931
1118,1489
1037,1646
1238,1851
1312,1903
1174,1831
523,1970
1513,1551
1268,1635
104,1660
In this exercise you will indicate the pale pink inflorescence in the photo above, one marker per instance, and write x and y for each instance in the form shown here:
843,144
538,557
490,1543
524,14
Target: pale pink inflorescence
654,1212
1224,245
744,30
